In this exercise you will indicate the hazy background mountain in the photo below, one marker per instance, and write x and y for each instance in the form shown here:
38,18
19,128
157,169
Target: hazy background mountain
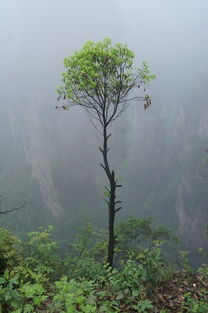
52,156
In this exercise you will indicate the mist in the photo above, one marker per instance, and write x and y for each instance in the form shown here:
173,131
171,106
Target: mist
51,157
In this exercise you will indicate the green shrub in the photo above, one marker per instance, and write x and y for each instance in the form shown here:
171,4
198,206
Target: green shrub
10,252
203,270
191,305
86,250
136,234
73,296
33,293
41,253
9,294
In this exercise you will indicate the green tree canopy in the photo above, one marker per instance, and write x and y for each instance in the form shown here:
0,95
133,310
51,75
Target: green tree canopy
101,77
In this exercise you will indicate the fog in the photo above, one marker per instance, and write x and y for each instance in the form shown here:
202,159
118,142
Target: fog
51,157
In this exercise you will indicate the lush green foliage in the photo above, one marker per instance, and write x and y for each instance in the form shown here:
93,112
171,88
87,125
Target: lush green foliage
193,306
9,254
101,70
43,281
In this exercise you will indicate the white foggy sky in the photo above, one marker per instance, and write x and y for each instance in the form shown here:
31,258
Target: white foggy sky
164,32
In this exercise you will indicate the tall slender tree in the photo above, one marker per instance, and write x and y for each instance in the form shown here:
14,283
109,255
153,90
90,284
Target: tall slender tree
101,79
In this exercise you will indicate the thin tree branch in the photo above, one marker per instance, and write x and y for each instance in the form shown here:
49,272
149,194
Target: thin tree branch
13,209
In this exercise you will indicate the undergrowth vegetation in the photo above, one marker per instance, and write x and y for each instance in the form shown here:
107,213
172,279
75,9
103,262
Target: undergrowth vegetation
36,277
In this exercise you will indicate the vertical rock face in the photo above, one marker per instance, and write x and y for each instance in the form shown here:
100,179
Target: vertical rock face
191,222
38,151
46,155
27,156
167,163
192,137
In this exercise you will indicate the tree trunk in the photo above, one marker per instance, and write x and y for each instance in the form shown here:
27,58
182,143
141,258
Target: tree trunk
112,197
111,220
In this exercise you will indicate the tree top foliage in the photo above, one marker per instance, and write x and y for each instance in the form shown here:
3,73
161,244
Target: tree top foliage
101,77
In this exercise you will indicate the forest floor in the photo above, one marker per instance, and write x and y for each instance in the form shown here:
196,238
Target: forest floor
184,292
171,295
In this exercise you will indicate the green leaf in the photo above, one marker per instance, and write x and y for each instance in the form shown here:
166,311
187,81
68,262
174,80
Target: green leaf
2,280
